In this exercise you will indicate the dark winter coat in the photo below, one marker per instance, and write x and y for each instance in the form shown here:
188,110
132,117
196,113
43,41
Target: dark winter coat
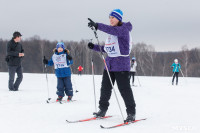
13,50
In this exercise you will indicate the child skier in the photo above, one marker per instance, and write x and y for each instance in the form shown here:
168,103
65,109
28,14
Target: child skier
176,66
117,46
62,61
133,69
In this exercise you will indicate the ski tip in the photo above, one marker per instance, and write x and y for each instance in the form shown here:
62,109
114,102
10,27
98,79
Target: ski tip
67,121
105,127
102,126
71,121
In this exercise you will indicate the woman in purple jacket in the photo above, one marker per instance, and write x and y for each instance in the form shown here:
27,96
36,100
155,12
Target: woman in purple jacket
117,46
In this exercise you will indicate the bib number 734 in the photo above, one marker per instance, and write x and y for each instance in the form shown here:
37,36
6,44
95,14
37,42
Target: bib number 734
110,49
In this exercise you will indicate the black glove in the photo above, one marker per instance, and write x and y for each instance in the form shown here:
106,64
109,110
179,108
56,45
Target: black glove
69,57
90,45
45,61
92,24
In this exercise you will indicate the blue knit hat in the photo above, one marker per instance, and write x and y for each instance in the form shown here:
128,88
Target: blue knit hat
133,58
60,45
117,13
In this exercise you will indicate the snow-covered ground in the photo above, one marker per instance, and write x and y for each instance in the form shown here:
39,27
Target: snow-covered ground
168,109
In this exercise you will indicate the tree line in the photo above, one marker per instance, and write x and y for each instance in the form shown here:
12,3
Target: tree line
149,62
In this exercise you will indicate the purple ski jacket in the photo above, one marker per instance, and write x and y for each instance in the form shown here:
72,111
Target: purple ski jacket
117,64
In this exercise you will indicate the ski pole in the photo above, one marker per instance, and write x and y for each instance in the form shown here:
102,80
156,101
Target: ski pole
95,33
182,73
48,98
183,76
174,72
94,86
95,106
73,79
138,79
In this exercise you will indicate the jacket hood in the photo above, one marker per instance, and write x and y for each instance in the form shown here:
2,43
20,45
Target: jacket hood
128,25
64,51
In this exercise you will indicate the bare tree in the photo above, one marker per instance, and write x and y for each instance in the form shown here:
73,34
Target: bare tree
150,62
185,58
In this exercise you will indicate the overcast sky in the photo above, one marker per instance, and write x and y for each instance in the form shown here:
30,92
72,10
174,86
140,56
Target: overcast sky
165,24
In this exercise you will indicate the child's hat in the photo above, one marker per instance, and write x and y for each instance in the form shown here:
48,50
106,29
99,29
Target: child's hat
60,45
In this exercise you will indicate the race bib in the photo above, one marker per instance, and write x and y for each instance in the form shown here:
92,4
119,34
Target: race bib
112,46
59,61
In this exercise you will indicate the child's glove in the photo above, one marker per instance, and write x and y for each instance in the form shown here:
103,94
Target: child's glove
69,57
45,61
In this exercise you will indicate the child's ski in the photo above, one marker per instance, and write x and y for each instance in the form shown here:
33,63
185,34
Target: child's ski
61,102
89,119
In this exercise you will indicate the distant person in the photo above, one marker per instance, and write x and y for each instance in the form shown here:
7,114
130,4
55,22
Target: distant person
62,61
14,55
176,66
80,69
133,69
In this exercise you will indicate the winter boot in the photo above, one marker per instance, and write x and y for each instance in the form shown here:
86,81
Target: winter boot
69,98
176,83
172,83
130,118
15,89
59,99
101,113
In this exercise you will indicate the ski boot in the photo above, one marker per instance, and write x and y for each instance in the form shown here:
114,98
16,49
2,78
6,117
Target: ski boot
69,98
15,89
99,114
130,118
59,99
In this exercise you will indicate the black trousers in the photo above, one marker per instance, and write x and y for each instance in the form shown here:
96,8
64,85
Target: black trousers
175,75
12,70
123,82
79,72
132,74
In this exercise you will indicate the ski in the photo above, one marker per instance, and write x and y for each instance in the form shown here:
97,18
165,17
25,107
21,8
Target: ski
89,119
122,124
66,101
61,102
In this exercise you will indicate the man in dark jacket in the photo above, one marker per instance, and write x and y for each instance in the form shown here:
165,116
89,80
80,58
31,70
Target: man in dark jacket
14,56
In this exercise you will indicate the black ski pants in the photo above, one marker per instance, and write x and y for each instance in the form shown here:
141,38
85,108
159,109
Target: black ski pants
132,74
123,83
175,75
